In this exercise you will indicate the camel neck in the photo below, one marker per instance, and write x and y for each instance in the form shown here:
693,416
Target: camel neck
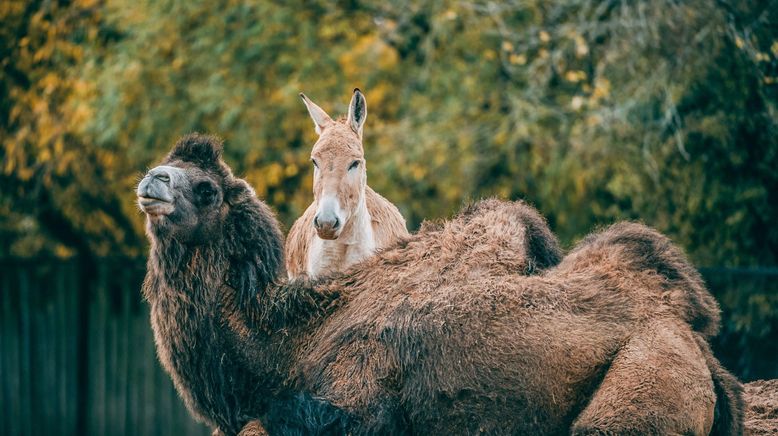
202,327
189,300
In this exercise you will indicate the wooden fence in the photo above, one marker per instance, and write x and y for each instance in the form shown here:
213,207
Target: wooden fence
77,355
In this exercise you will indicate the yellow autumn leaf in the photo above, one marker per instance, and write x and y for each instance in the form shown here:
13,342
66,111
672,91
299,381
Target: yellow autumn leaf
517,59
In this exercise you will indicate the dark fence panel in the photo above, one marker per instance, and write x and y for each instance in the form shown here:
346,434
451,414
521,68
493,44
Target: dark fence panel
77,354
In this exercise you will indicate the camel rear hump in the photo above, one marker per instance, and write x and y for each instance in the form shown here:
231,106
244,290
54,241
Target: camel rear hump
637,247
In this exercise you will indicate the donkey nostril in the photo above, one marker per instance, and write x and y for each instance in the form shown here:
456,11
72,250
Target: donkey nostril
337,223
316,221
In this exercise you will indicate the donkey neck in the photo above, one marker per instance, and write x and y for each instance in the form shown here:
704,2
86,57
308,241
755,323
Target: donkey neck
358,231
355,243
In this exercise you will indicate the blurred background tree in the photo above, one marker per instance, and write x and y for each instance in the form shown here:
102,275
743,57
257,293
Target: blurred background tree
594,111
60,194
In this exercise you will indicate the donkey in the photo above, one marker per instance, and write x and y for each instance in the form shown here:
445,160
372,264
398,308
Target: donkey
347,220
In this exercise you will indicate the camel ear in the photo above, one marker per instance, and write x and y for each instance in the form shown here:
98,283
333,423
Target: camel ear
357,112
202,150
319,117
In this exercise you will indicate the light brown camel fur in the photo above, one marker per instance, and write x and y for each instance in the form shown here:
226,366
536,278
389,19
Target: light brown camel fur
611,340
347,220
761,407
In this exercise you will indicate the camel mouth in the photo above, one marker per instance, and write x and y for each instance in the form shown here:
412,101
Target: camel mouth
155,206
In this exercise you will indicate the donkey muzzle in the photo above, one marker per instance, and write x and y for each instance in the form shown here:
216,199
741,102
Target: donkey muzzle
327,225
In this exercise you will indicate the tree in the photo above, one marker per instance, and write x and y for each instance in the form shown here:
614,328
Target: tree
594,111
56,189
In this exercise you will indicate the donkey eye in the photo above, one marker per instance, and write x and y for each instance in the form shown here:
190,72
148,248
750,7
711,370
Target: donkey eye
353,165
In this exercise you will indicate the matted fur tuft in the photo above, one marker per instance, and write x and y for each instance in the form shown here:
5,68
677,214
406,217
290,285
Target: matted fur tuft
204,151
730,404
542,249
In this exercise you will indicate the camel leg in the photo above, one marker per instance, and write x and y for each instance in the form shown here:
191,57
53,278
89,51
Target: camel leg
658,384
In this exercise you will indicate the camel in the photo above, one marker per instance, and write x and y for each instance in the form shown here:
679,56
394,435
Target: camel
347,221
612,339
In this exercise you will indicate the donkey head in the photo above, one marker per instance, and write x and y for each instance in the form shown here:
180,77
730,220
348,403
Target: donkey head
339,174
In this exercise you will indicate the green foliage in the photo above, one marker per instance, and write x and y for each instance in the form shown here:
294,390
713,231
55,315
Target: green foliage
747,342
594,111
60,195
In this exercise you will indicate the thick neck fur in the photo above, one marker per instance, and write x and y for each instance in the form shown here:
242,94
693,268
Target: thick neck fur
214,310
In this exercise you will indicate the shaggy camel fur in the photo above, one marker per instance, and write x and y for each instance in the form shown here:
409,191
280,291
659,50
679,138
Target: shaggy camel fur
347,220
612,340
761,407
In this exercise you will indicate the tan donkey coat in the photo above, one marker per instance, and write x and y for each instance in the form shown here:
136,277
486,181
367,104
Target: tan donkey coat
347,220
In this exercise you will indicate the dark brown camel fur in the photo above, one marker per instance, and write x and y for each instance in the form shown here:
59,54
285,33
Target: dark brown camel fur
433,335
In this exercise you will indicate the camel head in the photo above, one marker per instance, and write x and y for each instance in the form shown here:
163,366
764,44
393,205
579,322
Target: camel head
185,197
339,175
192,201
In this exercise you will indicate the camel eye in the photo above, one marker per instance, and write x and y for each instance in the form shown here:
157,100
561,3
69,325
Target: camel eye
353,165
205,193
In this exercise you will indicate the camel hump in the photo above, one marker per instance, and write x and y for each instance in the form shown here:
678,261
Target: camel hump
542,249
641,248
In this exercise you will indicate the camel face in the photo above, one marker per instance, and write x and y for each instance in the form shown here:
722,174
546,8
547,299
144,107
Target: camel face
156,191
182,201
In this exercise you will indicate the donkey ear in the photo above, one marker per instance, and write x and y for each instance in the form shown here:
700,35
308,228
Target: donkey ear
320,118
357,112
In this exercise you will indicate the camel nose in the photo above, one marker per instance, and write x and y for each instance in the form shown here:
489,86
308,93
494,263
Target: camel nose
326,222
159,183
